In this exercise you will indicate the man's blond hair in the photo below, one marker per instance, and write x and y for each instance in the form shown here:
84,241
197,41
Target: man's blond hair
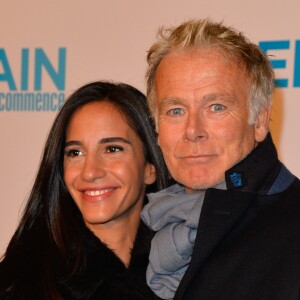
232,45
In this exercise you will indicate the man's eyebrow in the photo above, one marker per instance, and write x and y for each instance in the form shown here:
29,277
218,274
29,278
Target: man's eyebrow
207,98
215,97
169,101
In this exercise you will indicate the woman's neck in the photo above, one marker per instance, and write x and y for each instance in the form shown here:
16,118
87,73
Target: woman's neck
119,235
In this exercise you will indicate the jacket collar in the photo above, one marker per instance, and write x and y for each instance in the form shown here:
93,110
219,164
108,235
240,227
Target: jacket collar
257,171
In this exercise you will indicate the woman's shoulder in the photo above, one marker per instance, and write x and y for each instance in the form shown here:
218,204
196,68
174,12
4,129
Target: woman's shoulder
100,265
104,276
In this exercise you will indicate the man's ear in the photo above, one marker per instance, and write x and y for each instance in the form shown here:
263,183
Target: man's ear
149,174
262,124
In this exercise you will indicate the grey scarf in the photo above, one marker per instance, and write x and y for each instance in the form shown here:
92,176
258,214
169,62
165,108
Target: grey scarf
174,214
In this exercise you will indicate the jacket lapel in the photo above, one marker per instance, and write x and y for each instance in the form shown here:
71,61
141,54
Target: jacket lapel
221,212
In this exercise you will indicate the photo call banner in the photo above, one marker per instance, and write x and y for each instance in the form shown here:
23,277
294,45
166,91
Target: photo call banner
50,48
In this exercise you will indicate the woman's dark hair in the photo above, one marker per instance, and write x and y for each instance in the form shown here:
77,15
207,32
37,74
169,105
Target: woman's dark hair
48,231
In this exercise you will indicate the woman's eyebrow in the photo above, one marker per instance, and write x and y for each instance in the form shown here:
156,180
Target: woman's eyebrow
101,141
113,140
72,143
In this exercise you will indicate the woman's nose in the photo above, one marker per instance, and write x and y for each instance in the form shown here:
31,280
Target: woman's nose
93,168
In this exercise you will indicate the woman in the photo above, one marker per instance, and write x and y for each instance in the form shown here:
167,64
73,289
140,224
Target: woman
80,236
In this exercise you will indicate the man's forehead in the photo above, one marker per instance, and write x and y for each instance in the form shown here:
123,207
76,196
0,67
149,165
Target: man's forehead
186,72
200,52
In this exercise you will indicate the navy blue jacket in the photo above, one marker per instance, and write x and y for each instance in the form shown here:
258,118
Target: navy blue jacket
248,239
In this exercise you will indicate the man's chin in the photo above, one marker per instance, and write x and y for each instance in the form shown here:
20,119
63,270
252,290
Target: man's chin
200,186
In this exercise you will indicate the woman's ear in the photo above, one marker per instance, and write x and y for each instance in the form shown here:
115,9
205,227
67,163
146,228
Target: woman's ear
149,174
262,124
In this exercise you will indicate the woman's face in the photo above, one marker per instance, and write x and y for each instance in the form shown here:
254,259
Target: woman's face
105,169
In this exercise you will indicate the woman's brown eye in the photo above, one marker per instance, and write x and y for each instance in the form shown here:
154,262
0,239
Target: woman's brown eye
72,153
114,149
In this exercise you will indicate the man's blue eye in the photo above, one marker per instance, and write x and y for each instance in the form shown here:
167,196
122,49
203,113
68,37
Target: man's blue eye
175,111
217,107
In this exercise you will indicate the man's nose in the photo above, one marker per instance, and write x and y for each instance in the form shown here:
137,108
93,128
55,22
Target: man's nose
94,168
195,129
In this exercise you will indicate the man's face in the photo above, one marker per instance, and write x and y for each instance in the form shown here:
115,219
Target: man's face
202,116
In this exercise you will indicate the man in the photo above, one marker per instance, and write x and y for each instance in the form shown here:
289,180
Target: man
210,92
